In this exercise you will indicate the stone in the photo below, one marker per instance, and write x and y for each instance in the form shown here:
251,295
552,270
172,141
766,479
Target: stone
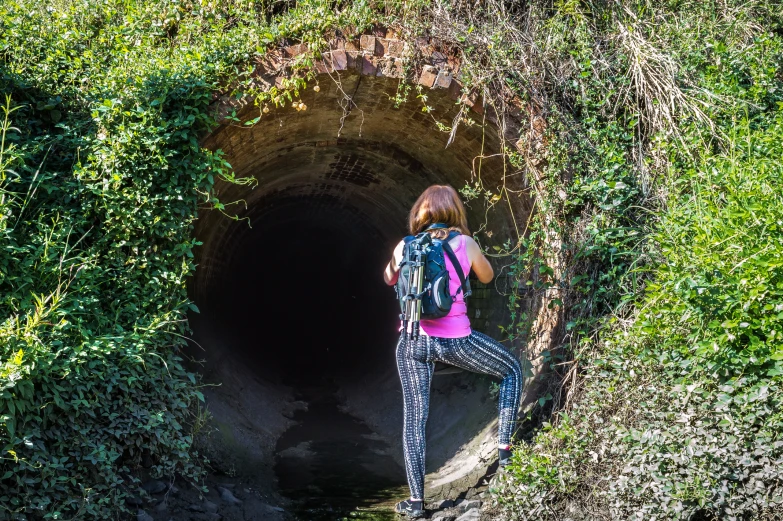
391,67
396,48
382,46
353,45
195,508
428,75
228,497
439,59
209,506
339,60
161,507
443,516
141,515
468,504
352,59
441,504
154,486
368,68
474,514
443,79
295,50
367,43
455,89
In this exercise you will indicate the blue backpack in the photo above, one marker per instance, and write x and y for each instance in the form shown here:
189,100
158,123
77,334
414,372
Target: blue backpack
423,283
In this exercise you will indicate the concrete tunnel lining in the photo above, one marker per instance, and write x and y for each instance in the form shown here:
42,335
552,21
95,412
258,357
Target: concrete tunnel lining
347,197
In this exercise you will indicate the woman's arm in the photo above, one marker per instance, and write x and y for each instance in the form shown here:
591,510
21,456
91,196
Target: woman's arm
392,270
478,263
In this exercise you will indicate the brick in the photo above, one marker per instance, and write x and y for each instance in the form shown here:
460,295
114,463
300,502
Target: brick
353,59
339,60
321,67
391,67
337,43
396,48
295,50
428,76
439,59
367,43
379,31
335,60
368,68
353,45
455,89
381,46
443,80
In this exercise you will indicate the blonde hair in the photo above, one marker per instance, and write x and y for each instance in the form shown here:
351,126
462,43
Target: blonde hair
438,204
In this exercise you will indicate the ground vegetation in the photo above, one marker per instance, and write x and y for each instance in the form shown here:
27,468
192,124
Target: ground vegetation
650,135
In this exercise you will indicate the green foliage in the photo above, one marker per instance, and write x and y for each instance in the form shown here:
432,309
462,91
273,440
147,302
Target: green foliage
676,323
101,179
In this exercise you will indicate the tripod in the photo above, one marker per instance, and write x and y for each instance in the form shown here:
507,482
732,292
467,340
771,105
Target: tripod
412,313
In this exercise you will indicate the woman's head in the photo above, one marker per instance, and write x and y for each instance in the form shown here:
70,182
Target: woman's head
438,204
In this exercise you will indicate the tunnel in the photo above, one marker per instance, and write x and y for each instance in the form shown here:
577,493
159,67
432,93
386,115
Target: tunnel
297,331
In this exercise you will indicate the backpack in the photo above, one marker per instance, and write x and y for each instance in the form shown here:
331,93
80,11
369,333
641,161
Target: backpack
423,283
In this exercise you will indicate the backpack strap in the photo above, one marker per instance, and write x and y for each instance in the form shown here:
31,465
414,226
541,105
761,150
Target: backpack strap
436,226
464,282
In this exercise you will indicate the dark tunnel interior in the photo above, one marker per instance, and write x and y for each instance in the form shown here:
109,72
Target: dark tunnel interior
303,295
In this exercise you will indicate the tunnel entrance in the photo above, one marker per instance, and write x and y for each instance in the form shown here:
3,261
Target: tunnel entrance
296,324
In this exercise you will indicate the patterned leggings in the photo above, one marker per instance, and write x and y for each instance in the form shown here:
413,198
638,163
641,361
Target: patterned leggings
416,361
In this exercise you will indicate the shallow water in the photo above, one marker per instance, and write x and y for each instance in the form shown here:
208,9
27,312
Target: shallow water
333,466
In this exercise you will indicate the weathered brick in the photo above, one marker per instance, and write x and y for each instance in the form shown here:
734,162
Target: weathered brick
321,67
473,101
353,45
352,57
391,67
443,80
367,43
337,43
455,89
396,48
381,46
339,60
368,68
428,75
294,50
439,59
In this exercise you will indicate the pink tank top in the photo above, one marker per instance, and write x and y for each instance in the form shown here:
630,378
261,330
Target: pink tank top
456,324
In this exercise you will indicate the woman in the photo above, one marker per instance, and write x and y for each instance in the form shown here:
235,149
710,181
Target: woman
448,339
